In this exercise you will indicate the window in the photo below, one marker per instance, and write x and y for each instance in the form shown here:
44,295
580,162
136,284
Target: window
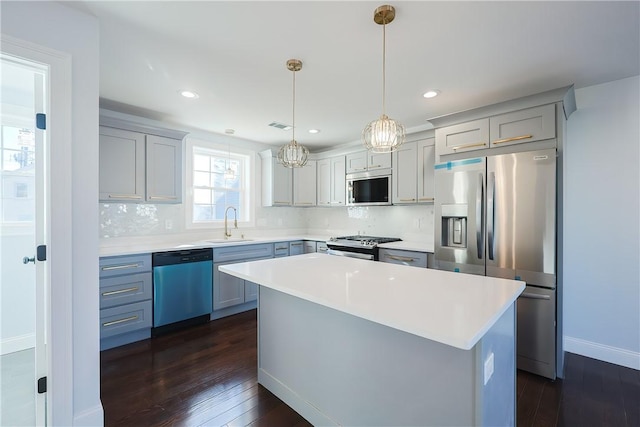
211,191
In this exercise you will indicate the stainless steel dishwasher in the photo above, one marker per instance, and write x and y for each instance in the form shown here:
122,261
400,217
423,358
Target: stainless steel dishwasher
182,288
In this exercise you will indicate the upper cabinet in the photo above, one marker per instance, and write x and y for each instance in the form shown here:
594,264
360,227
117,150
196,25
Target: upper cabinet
413,166
277,181
331,181
139,164
363,161
304,185
517,127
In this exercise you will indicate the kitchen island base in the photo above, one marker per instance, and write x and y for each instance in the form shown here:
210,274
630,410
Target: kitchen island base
334,368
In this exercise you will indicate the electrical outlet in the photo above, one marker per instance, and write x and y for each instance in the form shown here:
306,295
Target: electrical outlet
168,224
488,368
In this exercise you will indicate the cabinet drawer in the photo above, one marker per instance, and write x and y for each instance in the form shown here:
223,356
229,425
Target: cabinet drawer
394,256
309,247
243,252
532,124
125,318
296,248
126,289
281,249
321,247
462,137
128,264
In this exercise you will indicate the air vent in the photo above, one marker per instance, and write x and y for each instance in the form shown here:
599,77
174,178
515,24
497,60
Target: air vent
280,126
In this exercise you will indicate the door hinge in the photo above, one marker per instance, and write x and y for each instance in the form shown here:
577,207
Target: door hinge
41,121
42,385
41,252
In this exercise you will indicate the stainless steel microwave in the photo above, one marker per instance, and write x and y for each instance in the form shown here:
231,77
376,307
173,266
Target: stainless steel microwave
369,188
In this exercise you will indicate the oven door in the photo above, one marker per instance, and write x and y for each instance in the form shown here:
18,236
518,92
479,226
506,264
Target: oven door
349,254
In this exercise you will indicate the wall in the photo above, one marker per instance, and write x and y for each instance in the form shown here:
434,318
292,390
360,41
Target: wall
66,30
601,220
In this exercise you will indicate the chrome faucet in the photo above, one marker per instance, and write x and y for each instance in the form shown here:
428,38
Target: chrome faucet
235,221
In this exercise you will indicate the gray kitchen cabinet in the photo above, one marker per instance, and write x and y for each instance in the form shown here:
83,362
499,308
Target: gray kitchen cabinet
164,169
362,161
304,185
468,136
122,165
413,177
296,248
403,257
331,181
139,163
426,153
230,291
126,313
405,174
280,249
321,247
277,181
528,125
309,246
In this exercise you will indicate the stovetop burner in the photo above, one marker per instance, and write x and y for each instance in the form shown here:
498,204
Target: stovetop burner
374,239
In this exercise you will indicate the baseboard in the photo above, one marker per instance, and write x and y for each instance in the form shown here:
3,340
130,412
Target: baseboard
91,417
615,355
19,343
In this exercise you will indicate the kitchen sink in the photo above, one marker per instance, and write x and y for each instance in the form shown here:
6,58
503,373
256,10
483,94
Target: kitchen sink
229,240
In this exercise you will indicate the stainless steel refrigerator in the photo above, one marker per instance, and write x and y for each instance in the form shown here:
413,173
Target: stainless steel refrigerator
496,216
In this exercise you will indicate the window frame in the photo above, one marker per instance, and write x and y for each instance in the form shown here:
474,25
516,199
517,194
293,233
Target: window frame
192,145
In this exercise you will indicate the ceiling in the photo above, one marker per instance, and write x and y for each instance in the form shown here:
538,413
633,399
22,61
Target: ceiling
233,54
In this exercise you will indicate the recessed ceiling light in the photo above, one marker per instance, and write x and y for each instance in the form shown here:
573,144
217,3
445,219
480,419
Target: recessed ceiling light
189,94
314,130
432,93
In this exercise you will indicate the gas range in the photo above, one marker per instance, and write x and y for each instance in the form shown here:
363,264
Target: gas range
365,247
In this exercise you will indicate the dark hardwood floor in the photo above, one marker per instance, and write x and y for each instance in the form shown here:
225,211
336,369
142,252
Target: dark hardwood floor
207,375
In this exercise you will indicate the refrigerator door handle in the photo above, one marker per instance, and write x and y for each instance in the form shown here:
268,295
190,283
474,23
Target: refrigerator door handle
491,189
479,219
534,296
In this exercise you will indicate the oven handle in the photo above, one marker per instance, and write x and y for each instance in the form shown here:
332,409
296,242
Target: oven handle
350,254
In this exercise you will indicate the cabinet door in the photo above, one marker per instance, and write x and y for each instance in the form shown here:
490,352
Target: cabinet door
296,248
462,137
122,170
338,181
304,185
280,249
357,162
323,182
405,174
378,161
250,291
532,124
426,163
402,257
228,290
309,247
164,170
282,185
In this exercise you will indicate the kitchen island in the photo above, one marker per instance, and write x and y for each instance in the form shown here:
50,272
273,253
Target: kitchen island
352,342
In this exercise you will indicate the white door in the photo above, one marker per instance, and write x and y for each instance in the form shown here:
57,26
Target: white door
23,224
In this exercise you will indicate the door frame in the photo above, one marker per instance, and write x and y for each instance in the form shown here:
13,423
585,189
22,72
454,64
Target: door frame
58,289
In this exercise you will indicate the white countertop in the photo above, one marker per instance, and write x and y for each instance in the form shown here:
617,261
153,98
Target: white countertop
451,308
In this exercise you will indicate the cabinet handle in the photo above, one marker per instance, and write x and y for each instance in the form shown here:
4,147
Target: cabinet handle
514,138
426,199
375,166
407,200
296,244
400,258
304,203
121,291
124,196
281,202
162,197
323,249
115,322
477,144
120,267
534,296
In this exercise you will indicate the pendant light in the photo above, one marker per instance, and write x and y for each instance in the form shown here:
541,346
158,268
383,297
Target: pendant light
293,155
229,173
384,134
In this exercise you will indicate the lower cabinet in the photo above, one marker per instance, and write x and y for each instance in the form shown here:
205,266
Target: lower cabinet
296,248
126,313
309,246
231,291
403,257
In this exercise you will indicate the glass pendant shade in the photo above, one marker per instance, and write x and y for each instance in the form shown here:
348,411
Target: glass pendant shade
293,155
229,173
383,135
